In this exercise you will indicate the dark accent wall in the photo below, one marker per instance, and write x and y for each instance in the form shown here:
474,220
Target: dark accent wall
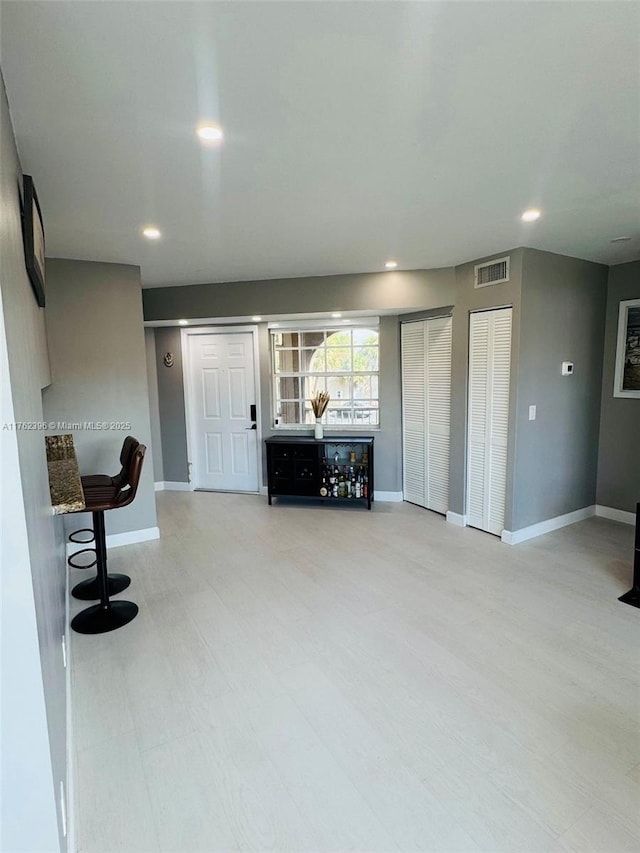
619,454
562,314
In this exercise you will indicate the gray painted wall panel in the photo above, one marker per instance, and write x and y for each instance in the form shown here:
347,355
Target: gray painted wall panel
171,404
171,407
416,290
98,367
562,319
619,455
32,583
412,290
467,299
154,411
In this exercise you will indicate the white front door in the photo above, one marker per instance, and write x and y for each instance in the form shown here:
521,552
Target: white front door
222,401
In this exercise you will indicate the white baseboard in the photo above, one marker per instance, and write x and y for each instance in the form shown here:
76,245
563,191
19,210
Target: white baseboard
615,514
457,519
516,536
115,540
263,490
169,486
388,497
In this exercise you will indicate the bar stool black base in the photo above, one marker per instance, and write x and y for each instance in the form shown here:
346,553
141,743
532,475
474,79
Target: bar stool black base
632,597
89,590
99,619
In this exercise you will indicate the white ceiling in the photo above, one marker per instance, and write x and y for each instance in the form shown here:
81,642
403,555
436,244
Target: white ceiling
354,132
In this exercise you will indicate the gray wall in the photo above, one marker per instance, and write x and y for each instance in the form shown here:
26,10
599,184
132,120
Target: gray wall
619,456
397,291
467,299
417,290
154,410
32,565
171,407
388,445
562,319
99,373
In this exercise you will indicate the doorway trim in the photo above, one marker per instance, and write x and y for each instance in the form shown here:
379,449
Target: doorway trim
185,334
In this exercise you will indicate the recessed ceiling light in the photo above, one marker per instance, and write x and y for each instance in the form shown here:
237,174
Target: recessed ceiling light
256,319
391,265
620,239
210,133
336,314
151,232
530,215
183,322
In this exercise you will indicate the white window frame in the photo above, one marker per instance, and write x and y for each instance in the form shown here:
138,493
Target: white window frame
327,327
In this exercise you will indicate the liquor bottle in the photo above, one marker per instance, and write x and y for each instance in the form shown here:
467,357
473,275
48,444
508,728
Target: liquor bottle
347,483
353,483
324,488
336,483
359,484
365,485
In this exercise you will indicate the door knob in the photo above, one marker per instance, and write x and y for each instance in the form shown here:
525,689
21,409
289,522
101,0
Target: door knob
253,426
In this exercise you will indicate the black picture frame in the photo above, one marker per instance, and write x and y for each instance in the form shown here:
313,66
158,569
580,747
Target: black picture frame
33,238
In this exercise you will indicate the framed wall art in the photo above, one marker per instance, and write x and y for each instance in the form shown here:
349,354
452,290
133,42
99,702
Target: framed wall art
626,381
33,236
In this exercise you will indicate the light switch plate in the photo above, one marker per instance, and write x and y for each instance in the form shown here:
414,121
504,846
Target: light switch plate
567,368
532,413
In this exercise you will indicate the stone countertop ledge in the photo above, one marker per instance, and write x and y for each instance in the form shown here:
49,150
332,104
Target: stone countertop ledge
65,485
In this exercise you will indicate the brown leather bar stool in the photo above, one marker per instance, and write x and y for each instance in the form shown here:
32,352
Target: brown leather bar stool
109,615
89,590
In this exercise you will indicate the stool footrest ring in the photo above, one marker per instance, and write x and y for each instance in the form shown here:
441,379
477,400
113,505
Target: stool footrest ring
77,554
82,541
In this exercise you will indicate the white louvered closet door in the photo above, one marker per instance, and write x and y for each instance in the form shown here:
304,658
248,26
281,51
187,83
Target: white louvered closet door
488,414
426,412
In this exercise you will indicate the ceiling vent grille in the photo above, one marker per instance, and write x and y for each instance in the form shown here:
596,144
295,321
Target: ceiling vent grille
492,272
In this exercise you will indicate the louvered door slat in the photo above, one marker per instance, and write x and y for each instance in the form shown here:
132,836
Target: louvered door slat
488,413
438,352
426,411
413,413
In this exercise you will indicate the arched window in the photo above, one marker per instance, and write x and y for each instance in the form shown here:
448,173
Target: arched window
344,362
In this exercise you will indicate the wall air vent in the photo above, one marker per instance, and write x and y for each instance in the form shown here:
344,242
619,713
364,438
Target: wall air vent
491,272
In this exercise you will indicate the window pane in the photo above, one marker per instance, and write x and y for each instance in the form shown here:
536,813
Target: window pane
339,388
312,385
366,416
341,338
287,388
312,339
365,386
338,360
288,412
289,339
336,415
365,358
365,337
287,361
313,360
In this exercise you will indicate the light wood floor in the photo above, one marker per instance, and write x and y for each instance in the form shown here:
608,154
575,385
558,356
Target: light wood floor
308,678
